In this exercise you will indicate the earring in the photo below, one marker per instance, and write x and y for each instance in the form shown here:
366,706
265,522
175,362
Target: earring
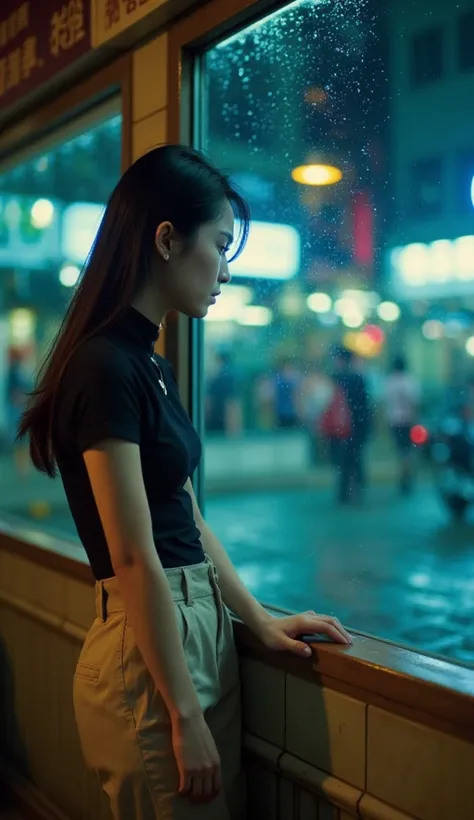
166,257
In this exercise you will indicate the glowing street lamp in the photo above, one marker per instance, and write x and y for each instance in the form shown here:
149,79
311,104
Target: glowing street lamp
317,174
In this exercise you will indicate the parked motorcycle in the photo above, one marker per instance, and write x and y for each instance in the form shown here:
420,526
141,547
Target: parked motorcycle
451,450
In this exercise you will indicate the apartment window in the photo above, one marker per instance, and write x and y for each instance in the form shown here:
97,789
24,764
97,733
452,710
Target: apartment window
355,518
51,202
427,188
426,56
466,41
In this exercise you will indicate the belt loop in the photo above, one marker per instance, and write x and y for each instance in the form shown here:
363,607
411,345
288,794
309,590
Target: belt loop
214,579
213,573
103,602
187,587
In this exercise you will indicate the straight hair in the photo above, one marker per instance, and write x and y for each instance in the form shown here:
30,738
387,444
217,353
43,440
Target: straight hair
171,183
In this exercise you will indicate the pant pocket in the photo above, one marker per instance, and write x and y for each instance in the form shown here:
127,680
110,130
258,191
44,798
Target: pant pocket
87,672
184,622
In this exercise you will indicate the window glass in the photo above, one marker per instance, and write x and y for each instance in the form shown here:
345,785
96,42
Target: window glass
51,202
339,373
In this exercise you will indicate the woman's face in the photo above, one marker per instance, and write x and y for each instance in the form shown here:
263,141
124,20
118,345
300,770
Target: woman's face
193,274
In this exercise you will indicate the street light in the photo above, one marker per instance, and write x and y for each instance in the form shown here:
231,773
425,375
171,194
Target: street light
317,174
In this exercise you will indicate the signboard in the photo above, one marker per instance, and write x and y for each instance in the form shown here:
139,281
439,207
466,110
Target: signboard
111,17
440,269
38,38
272,252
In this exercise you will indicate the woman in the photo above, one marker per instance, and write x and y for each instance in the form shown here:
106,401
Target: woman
156,689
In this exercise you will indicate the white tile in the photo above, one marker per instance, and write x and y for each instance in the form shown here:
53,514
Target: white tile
326,729
263,689
149,133
150,76
372,809
418,770
329,788
457,780
403,764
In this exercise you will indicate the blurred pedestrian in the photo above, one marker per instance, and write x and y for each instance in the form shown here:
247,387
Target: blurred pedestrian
223,410
317,391
352,403
402,404
287,385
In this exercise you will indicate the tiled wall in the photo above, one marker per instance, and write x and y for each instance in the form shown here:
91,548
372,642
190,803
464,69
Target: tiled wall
312,752
149,95
313,749
43,618
149,106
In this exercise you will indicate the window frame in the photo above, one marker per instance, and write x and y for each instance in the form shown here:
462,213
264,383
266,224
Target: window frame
406,677
21,133
20,138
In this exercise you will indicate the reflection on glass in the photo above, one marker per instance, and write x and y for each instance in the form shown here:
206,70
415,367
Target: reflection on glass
50,207
339,388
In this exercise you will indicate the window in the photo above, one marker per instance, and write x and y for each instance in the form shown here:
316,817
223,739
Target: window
330,472
427,190
51,200
465,41
426,56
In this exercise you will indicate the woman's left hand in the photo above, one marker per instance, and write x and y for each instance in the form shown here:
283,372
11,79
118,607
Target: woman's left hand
281,633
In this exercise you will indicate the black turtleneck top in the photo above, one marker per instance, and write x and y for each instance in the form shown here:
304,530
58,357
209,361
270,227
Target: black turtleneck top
111,389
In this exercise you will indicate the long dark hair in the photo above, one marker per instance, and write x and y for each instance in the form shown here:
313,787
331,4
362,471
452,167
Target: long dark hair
172,183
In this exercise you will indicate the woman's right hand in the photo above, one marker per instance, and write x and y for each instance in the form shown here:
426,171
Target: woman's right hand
197,758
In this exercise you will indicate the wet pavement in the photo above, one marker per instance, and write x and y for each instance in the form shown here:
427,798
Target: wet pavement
397,568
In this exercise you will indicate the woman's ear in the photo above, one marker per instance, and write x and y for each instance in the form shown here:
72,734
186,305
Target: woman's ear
164,240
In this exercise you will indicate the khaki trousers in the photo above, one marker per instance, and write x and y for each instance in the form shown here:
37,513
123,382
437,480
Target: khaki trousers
123,723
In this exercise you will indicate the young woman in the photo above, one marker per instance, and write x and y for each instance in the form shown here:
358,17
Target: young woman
156,689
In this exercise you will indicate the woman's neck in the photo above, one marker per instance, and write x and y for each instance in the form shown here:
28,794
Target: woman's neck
148,305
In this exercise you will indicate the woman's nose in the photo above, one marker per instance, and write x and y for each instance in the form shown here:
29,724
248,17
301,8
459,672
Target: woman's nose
224,273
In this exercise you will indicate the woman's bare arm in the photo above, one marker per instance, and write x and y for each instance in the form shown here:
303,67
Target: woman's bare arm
116,479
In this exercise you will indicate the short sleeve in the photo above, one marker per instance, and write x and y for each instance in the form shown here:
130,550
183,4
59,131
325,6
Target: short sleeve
106,403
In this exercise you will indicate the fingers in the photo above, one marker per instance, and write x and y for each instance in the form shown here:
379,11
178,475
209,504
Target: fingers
201,791
324,625
334,622
204,786
299,648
